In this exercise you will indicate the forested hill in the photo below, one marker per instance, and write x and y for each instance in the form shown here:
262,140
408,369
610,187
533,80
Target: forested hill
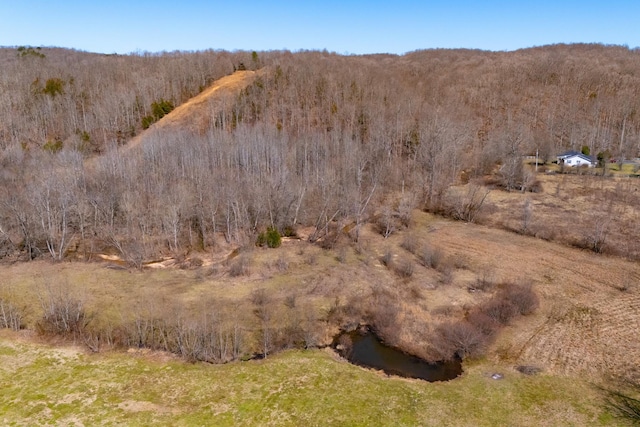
317,139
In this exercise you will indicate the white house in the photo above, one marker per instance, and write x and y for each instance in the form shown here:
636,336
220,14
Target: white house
576,158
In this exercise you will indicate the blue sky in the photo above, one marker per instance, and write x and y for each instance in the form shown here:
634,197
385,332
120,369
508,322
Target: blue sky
357,27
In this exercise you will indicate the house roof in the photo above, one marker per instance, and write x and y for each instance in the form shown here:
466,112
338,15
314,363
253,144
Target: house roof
580,156
569,153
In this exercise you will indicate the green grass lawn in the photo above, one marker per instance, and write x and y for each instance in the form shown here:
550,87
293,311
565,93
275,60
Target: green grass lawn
41,385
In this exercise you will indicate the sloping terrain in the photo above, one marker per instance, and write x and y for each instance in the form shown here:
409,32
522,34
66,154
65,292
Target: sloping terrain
589,319
290,152
587,323
197,114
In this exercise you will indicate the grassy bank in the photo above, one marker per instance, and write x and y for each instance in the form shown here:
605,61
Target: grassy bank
64,386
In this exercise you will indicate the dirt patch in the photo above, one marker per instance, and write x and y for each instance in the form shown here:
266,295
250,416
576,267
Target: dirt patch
142,406
197,113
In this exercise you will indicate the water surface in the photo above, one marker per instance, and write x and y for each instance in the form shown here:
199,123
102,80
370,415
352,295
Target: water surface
364,348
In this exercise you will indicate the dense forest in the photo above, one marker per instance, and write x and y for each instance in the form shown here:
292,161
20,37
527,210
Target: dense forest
317,140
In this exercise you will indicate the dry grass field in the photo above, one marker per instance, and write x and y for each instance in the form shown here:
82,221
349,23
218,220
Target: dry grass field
574,209
587,322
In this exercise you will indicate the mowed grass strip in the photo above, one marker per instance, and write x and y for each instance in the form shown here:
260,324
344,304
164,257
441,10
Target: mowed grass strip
62,386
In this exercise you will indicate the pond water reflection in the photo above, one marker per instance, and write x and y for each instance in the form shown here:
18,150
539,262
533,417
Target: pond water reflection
364,348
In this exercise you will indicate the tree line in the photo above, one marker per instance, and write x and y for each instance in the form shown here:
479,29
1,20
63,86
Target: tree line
318,140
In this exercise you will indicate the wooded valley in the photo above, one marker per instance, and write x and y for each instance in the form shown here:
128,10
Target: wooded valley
417,196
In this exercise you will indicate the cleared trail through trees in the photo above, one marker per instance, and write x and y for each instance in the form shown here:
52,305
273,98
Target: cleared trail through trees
196,115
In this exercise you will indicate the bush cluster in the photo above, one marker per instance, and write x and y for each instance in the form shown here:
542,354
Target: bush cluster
11,316
215,331
24,51
64,314
159,109
270,238
469,337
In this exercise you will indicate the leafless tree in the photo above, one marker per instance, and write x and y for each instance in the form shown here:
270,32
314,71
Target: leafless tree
263,311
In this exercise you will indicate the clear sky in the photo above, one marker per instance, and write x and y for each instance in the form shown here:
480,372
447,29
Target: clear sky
347,26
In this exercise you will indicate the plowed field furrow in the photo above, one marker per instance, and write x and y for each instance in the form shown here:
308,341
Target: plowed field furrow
600,331
567,349
598,342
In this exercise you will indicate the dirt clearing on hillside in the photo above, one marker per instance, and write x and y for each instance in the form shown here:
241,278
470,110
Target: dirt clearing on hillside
197,114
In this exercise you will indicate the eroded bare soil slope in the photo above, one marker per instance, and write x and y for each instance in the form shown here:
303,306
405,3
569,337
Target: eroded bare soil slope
196,115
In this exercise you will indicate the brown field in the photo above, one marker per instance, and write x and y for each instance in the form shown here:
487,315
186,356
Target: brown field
572,208
587,322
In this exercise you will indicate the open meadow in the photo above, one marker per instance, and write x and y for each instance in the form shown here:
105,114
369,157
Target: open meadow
44,385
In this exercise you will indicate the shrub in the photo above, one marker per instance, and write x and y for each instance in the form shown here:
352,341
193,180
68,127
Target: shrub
482,284
387,223
510,301
239,266
11,317
387,258
461,339
466,207
431,257
410,243
53,146
161,108
289,231
147,121
485,324
446,274
522,297
270,238
274,239
384,317
63,314
404,268
499,309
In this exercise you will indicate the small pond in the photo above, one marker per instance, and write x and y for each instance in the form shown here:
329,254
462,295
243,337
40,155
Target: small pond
362,347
